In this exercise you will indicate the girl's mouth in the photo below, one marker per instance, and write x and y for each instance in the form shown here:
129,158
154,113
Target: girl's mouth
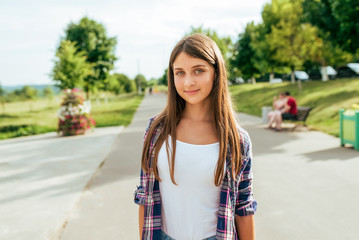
192,92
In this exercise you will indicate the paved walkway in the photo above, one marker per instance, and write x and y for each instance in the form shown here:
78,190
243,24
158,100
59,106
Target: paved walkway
42,177
305,184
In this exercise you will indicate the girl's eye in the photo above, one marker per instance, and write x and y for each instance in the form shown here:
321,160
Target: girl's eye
179,73
198,71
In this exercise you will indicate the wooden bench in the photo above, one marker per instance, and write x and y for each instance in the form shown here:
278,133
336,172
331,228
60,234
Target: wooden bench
302,115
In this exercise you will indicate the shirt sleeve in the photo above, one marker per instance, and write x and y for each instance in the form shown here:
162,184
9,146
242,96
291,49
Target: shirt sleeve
141,191
246,204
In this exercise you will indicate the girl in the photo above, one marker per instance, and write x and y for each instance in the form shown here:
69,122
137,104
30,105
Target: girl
278,105
196,177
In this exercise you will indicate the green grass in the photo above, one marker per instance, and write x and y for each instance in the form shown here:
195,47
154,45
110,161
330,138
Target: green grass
18,120
326,98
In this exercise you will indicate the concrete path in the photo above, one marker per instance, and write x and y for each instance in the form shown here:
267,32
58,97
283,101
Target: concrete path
42,177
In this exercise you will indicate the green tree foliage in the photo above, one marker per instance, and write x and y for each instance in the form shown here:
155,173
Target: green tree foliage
152,82
264,53
91,38
29,94
2,91
243,61
71,67
141,82
320,13
294,42
2,98
122,84
48,92
346,13
163,79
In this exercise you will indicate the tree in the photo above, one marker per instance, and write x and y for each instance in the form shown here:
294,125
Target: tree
293,41
346,13
141,82
2,98
91,38
48,93
29,94
320,13
264,58
71,67
163,79
122,84
243,55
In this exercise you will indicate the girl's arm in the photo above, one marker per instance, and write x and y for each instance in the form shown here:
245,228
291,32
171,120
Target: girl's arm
245,227
141,214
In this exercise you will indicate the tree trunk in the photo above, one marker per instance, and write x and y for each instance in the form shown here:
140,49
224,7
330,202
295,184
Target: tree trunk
324,73
253,79
299,86
271,76
292,77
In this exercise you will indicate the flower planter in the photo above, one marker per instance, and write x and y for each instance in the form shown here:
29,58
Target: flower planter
74,115
349,128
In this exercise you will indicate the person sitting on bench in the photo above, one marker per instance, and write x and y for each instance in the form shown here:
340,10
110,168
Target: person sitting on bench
289,112
278,105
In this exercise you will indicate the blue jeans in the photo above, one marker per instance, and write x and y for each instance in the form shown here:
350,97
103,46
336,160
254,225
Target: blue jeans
164,236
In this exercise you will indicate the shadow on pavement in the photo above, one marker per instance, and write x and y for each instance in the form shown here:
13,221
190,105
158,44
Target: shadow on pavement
338,153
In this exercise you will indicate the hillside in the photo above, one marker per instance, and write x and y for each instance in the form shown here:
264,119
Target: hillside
39,87
326,98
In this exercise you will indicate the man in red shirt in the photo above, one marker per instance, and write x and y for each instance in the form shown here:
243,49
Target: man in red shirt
289,112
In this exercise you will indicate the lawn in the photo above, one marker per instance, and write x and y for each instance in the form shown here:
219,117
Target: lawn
326,98
40,116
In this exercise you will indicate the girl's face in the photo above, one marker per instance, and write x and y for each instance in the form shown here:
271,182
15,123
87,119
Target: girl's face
193,78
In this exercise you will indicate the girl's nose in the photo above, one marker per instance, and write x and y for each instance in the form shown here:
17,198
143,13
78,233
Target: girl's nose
188,81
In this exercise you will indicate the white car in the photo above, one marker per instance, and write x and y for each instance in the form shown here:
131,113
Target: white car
276,80
301,75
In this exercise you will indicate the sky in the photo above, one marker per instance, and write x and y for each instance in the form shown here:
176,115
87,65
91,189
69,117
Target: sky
146,31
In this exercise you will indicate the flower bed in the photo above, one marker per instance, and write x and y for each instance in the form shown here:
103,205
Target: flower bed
74,115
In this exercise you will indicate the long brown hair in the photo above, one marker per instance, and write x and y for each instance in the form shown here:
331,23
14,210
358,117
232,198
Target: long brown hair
203,47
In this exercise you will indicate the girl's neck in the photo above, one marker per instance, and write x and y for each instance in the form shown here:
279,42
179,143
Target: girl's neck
199,112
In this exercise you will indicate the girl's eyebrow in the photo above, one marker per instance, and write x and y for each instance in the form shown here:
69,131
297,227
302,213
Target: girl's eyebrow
199,65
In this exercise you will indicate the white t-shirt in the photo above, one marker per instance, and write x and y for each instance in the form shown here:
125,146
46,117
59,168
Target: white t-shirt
189,209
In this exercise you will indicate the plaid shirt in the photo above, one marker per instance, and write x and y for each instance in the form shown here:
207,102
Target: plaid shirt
236,194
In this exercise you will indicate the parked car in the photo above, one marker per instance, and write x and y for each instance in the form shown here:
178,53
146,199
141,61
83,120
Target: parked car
316,73
301,75
298,75
239,80
354,67
276,80
350,70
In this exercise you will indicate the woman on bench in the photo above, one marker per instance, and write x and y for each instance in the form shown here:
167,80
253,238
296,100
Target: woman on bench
288,112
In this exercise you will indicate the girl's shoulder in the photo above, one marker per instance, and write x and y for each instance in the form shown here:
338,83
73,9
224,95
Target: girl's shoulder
150,123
